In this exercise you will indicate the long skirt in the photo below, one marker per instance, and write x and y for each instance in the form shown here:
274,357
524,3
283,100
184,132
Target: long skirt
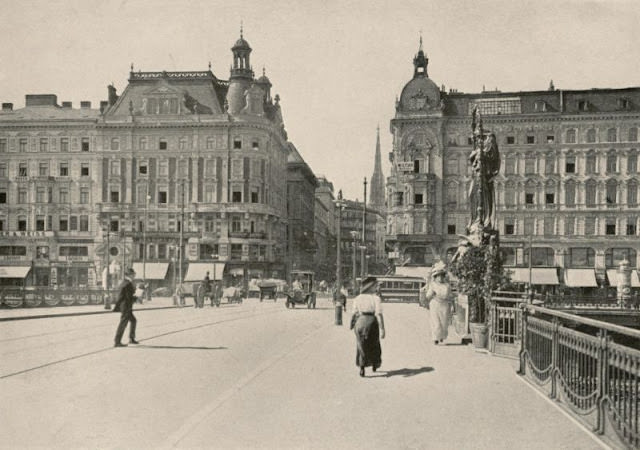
440,318
368,341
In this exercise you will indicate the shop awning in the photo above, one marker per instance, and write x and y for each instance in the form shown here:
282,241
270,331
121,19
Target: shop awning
14,271
151,271
612,275
413,271
580,278
539,275
197,271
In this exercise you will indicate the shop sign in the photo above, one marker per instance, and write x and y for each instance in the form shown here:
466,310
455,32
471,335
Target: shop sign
405,166
26,233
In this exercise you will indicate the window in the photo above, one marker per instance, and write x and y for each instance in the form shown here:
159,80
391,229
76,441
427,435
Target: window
22,170
23,145
417,199
492,106
163,168
236,224
549,164
162,145
416,166
237,143
22,223
551,139
612,160
63,195
84,170
610,227
182,144
529,226
569,225
64,144
43,169
583,105
115,144
528,198
632,193
39,223
73,223
582,257
115,197
530,165
549,198
142,168
511,140
451,229
40,193
3,170
255,145
63,169
44,144
570,164
162,197
571,137
591,135
469,141
531,140
631,226
570,194
210,143
452,195
590,162
632,162
509,226
590,194
63,224
589,226
22,196
540,256
452,166
612,135
3,197
85,144
510,165
254,196
612,190
114,225
3,145
614,256
236,197
510,196
633,134
84,196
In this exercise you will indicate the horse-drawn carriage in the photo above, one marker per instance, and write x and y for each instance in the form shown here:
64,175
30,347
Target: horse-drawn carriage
271,288
301,291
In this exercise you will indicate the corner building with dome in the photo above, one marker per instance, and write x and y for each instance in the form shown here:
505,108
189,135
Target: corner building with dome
567,187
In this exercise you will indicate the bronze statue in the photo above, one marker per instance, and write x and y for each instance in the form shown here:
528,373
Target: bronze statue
485,165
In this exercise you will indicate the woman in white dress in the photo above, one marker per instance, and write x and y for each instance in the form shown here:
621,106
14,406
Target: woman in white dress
438,301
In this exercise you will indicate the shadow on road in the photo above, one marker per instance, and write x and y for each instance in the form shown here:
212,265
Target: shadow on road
403,372
178,347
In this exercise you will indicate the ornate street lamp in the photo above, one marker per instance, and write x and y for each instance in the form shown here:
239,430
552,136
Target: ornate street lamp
354,235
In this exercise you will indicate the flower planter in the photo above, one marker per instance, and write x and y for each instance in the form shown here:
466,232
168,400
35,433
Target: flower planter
479,334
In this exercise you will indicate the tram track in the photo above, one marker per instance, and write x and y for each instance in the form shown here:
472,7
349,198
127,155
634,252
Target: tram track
251,314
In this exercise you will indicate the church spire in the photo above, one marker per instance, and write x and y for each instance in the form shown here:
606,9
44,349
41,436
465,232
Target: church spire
377,180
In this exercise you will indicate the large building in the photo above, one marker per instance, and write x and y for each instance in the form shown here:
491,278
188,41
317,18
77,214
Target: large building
180,166
567,187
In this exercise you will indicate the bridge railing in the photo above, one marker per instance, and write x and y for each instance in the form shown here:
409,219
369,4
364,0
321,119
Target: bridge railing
505,322
591,368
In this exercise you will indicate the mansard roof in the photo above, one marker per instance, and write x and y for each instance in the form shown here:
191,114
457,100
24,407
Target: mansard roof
41,113
200,88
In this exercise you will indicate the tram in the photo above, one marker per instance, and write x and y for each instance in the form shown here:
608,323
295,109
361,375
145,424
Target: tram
400,288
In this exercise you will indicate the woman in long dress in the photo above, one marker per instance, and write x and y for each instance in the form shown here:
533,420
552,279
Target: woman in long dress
438,300
369,326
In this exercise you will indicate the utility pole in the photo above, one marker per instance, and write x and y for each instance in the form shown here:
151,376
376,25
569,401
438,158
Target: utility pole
338,243
144,237
364,233
181,234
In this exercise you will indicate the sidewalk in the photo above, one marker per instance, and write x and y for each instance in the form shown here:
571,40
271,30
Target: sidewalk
7,314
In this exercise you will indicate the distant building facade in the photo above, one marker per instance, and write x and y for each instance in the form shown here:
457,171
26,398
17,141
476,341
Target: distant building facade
177,154
567,187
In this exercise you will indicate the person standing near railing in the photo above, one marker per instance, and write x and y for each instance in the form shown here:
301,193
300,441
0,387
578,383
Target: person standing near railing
438,298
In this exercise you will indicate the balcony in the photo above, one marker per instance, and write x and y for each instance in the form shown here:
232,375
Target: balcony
239,234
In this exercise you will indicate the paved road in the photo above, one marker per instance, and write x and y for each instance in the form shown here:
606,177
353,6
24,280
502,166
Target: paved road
258,375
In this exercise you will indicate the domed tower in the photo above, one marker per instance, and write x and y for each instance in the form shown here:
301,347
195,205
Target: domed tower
420,94
241,75
265,84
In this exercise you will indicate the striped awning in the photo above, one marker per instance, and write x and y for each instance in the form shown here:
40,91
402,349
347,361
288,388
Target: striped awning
539,275
197,271
580,278
612,275
151,271
14,271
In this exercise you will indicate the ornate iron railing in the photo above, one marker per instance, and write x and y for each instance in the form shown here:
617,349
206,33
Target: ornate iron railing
591,368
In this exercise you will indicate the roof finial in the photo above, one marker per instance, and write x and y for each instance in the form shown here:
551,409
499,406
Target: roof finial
209,65
420,40
241,29
132,67
263,70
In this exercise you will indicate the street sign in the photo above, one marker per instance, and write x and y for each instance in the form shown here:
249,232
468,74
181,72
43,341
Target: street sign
394,255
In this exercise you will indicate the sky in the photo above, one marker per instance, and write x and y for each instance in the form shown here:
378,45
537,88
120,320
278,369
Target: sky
338,65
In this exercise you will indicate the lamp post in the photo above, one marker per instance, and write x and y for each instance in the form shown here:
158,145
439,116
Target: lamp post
144,237
354,235
339,204
364,232
107,299
181,233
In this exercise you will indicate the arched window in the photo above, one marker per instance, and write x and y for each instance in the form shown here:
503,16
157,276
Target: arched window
614,256
612,192
540,256
582,257
633,134
570,194
590,193
632,193
612,135
591,135
571,137
452,195
612,162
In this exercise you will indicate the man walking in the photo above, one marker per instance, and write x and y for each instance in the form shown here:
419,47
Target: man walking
124,305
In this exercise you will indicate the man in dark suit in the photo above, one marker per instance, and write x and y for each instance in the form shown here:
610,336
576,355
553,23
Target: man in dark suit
124,305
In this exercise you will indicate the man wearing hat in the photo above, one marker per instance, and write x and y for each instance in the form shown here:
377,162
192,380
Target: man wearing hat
126,298
368,326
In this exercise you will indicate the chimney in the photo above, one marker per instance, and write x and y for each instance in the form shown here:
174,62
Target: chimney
67,104
7,106
85,105
113,97
41,100
103,106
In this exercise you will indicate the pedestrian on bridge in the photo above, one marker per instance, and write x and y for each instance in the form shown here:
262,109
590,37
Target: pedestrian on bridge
368,324
438,302
124,304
